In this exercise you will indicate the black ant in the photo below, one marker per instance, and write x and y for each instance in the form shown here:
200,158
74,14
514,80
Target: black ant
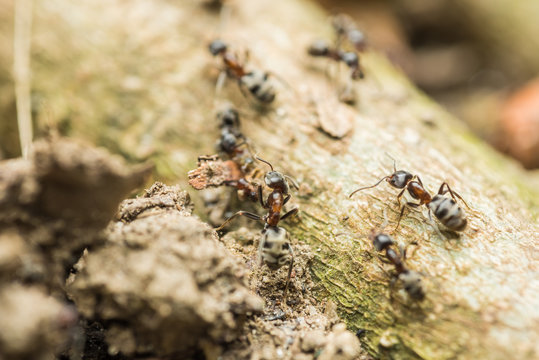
232,143
256,81
445,209
275,201
411,280
346,28
321,48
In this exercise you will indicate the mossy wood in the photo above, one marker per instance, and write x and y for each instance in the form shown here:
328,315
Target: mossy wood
137,78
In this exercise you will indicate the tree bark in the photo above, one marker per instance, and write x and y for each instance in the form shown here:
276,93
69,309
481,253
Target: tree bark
137,78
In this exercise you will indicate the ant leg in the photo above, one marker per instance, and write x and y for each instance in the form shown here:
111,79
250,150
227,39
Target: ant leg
261,197
286,199
220,83
290,213
240,213
399,221
383,259
435,226
408,204
419,180
288,277
399,196
452,193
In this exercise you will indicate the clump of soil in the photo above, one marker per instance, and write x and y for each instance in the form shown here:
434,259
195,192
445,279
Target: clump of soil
162,283
34,326
55,205
52,206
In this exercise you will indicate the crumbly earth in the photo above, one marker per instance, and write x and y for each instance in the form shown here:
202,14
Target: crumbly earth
55,205
162,284
158,283
34,326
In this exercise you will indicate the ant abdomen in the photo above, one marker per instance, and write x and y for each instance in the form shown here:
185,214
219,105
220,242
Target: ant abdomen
448,212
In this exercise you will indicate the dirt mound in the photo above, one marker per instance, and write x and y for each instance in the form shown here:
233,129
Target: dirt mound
55,205
162,283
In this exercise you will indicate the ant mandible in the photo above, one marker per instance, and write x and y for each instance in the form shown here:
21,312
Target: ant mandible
276,200
256,81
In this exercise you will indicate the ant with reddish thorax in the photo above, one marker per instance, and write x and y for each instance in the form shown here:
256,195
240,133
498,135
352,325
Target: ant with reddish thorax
446,209
274,249
275,201
256,81
411,280
321,48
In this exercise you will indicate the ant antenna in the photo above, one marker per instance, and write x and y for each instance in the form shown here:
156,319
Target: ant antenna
264,161
368,187
394,161
292,181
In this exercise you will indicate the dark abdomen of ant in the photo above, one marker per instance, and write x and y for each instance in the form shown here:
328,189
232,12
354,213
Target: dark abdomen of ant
448,212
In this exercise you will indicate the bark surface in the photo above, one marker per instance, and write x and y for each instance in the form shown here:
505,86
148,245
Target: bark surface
137,77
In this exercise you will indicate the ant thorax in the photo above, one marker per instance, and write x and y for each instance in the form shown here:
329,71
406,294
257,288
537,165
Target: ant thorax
274,248
408,198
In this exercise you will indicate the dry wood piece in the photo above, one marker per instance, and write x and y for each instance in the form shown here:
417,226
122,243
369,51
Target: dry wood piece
214,172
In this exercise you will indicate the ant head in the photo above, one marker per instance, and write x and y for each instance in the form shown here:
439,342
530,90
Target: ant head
318,48
399,179
217,46
276,180
229,117
381,241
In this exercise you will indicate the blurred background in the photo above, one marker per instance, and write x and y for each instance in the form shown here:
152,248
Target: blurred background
479,59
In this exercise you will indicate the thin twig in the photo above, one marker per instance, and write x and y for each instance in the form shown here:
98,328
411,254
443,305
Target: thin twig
21,68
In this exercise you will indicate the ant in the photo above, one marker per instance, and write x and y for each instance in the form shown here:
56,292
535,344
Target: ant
345,27
321,48
411,280
275,251
256,81
230,143
446,209
275,201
